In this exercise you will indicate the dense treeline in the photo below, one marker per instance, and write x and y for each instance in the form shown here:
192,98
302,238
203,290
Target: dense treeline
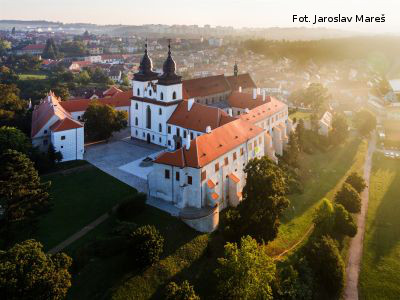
327,50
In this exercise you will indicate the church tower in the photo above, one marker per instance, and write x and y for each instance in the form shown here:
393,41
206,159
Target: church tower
235,70
169,86
145,75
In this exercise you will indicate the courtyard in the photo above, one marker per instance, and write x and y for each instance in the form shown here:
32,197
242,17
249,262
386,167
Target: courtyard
122,159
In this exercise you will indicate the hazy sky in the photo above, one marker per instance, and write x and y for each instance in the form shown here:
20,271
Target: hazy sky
237,13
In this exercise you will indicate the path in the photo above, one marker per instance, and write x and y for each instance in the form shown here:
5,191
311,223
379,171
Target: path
80,233
356,243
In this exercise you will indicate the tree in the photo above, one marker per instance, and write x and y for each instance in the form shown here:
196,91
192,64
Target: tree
7,76
15,139
263,202
324,218
4,47
316,96
50,51
99,76
180,292
245,272
356,181
125,80
324,258
53,155
146,245
102,120
83,77
300,134
11,105
291,153
365,122
344,222
349,198
26,272
339,132
61,91
21,192
297,97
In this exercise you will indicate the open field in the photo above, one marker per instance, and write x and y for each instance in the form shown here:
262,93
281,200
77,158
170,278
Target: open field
325,172
79,198
31,76
380,268
392,132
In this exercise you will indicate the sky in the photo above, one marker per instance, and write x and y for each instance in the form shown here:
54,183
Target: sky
237,13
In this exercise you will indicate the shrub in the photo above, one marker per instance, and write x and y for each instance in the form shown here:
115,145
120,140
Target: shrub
356,181
184,291
349,198
132,207
146,245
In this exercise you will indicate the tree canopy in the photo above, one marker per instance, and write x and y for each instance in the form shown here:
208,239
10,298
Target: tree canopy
102,120
340,131
183,291
356,181
21,191
15,139
10,104
349,198
245,272
365,122
26,272
51,50
263,202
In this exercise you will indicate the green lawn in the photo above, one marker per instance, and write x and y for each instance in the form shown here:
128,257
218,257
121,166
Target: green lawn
300,115
79,198
323,174
31,76
380,267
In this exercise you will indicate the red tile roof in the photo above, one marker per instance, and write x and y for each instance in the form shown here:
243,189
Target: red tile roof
208,147
263,111
112,91
245,100
65,124
34,47
205,86
199,117
242,80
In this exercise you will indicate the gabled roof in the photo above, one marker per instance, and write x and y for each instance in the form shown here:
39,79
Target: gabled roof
112,91
65,124
198,117
263,111
48,108
119,99
208,147
242,80
245,100
205,86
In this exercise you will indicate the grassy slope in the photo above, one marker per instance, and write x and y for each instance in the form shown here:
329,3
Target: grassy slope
186,254
380,267
326,172
32,76
79,198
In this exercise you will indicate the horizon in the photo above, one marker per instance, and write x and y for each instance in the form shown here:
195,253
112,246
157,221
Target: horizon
239,13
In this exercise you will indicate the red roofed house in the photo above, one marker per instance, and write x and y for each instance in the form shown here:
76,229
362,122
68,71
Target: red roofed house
51,123
32,49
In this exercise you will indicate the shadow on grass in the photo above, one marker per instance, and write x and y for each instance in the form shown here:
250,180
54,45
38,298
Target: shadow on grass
386,234
321,172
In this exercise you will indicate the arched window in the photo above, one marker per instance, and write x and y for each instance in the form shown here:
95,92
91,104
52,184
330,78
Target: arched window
148,113
159,127
160,111
150,92
136,106
136,121
138,92
174,95
162,96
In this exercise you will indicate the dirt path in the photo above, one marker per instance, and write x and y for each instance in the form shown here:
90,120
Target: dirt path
356,244
80,233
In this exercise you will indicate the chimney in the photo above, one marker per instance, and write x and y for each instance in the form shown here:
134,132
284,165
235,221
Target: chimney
230,112
264,94
208,129
246,110
188,141
240,89
254,94
190,104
